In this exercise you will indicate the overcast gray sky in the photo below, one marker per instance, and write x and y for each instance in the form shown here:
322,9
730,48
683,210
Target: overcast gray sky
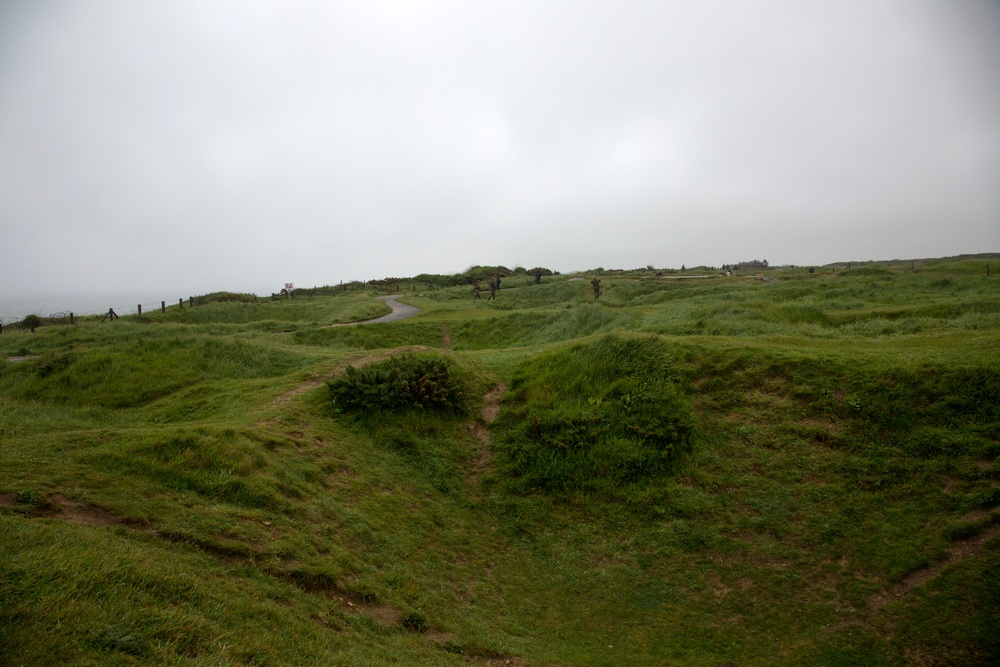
195,146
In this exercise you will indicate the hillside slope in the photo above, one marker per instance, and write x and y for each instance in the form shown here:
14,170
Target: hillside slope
799,470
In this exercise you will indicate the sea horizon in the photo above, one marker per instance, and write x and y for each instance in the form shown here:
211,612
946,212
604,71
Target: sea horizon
15,308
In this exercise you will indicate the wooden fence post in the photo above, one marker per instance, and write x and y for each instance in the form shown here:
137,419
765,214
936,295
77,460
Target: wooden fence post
180,303
191,301
71,319
140,310
163,306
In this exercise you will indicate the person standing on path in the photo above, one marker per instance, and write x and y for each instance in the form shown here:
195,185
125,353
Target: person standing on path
477,289
493,288
597,287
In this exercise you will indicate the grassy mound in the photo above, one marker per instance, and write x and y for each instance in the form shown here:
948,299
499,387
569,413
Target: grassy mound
595,418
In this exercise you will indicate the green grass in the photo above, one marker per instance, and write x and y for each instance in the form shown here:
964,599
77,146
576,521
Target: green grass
692,472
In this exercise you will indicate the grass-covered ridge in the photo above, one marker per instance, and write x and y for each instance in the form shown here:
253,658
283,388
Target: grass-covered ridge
687,471
601,419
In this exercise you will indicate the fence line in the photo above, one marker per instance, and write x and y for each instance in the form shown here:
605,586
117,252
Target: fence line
71,316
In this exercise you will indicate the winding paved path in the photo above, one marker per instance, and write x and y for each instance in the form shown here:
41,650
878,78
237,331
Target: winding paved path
399,311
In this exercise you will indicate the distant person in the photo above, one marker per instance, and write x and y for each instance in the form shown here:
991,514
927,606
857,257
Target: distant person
498,281
597,287
477,289
538,277
494,283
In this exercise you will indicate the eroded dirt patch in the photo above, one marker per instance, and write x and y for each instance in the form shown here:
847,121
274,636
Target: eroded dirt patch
380,613
81,513
58,506
491,402
480,429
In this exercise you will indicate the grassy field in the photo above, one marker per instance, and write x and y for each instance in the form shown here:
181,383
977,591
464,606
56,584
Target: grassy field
783,468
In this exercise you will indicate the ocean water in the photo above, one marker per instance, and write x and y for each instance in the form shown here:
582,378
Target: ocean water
14,308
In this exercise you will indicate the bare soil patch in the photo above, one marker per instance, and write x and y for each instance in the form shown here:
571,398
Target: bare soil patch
440,639
380,613
58,506
81,513
480,428
491,402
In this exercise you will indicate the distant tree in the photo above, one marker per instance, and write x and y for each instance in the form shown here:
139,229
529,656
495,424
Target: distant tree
32,322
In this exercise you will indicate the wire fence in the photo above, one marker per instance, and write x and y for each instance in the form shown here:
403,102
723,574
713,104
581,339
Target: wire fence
111,311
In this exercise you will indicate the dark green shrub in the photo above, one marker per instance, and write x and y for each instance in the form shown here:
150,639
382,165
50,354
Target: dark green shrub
31,322
424,382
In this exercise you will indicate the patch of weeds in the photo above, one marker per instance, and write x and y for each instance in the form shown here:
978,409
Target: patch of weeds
426,448
930,442
362,591
311,580
414,621
965,530
985,499
255,659
28,497
56,364
114,638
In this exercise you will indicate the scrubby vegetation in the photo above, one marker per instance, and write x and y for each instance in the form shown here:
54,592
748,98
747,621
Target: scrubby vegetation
596,419
801,470
423,382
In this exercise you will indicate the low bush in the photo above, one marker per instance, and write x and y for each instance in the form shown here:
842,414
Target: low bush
425,382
